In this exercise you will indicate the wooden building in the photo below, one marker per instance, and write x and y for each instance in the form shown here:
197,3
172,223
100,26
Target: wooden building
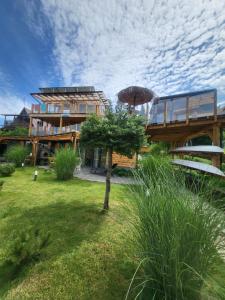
12,121
179,118
62,110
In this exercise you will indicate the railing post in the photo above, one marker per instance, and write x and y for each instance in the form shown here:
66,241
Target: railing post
187,110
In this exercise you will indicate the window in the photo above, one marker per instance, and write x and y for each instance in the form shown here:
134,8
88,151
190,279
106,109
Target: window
176,109
91,108
82,108
66,109
157,112
201,105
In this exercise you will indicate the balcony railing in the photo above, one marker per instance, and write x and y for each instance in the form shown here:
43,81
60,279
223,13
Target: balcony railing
67,109
46,130
183,109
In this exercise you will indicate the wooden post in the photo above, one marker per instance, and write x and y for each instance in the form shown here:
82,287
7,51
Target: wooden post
215,106
187,110
165,113
216,142
60,124
30,126
34,151
75,144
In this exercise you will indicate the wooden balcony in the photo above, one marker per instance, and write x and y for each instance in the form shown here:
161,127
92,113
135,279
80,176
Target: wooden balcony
67,109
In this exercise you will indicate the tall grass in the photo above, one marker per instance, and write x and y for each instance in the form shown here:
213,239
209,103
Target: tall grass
65,162
17,154
178,235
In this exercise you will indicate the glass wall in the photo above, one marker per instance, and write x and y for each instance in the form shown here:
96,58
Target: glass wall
157,112
201,106
179,109
176,109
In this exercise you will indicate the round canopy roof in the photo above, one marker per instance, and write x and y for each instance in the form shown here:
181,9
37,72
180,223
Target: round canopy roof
135,95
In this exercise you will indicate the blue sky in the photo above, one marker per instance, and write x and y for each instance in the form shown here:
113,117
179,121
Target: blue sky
170,46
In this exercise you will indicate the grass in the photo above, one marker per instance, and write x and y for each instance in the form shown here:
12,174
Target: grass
179,236
88,257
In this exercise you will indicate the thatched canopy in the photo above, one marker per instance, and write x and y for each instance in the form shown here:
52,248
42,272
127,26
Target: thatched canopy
135,95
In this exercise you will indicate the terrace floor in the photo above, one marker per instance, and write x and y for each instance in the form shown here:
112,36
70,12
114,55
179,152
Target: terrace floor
85,174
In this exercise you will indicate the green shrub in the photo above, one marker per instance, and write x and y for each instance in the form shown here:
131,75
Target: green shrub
27,247
178,235
6,169
159,148
17,154
1,184
18,131
65,162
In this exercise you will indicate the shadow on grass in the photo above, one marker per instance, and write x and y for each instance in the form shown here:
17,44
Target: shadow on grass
68,224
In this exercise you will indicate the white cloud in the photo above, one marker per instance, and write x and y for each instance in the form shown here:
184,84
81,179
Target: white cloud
10,103
169,46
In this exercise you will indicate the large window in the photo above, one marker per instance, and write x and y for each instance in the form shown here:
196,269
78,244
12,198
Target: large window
176,109
82,108
157,112
91,108
54,108
201,105
66,108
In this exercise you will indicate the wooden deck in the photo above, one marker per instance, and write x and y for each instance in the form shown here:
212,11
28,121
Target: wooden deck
71,137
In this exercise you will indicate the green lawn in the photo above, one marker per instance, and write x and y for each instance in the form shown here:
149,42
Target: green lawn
89,255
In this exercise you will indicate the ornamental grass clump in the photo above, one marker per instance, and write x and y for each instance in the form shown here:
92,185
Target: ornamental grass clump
65,162
17,154
178,235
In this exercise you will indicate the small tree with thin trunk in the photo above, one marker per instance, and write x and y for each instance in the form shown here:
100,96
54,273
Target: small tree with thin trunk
116,131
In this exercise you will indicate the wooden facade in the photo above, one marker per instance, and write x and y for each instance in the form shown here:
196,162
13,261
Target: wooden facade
124,161
62,110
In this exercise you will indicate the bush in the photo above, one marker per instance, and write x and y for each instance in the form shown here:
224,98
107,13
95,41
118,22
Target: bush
18,131
159,148
17,154
6,169
27,247
178,235
65,162
1,184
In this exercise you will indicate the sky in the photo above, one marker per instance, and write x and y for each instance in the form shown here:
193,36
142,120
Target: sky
169,46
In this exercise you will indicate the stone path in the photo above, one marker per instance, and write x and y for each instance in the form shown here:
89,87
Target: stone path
85,174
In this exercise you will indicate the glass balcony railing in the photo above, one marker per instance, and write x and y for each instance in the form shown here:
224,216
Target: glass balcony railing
67,109
182,109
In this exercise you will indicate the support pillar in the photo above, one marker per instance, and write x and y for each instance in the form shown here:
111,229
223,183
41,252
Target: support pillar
216,159
75,144
60,124
34,151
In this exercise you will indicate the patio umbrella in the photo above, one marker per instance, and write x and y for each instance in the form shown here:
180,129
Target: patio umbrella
135,95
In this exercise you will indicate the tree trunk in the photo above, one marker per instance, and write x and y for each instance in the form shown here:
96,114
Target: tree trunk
107,181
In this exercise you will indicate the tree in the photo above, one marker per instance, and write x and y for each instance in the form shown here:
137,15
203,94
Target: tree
117,131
